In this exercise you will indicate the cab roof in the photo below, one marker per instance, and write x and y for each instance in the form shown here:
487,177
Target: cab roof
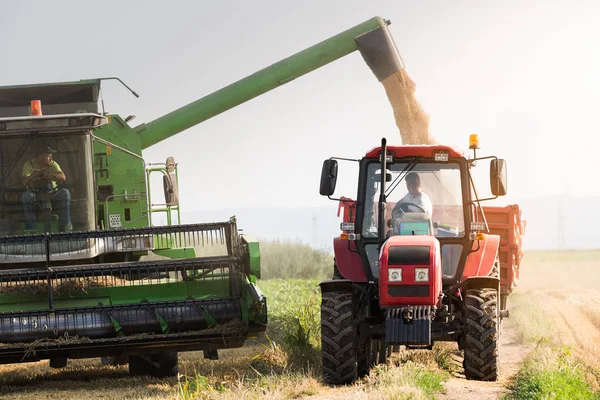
56,98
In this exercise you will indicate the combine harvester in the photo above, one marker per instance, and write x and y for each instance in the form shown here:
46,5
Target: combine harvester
76,225
412,272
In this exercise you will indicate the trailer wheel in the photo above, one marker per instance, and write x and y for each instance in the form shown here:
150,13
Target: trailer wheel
481,334
158,365
338,338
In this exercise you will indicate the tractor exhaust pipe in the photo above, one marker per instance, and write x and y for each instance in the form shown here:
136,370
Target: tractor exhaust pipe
382,202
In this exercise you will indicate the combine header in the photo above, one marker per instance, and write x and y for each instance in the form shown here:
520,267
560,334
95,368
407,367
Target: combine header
419,260
83,270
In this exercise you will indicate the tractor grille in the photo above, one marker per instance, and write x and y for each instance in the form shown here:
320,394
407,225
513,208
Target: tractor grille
409,325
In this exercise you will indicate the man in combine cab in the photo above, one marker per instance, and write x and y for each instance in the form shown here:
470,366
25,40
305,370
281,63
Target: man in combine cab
40,176
416,195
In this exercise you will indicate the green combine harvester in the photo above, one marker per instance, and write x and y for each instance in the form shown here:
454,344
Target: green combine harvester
84,272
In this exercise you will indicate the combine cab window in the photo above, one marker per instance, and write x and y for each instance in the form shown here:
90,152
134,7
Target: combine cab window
429,198
33,196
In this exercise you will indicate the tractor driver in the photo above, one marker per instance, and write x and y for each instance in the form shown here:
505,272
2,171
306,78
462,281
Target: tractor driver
40,175
416,195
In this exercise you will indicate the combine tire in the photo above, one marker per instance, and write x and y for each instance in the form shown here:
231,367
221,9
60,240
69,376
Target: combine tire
481,334
159,365
338,339
114,360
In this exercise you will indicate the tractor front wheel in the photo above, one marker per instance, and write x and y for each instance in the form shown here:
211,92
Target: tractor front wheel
481,338
338,338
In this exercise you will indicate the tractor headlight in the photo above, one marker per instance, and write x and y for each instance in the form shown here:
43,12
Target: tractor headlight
395,275
421,274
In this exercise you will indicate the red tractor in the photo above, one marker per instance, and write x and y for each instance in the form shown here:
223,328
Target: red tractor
419,260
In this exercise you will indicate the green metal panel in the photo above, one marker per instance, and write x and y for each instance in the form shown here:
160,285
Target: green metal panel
121,174
117,295
253,249
256,84
176,253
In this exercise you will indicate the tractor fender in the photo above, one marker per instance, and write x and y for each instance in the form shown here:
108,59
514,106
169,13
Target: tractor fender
337,285
481,261
349,263
481,282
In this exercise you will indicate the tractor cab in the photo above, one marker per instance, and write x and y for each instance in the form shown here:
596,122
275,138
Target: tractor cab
422,198
427,191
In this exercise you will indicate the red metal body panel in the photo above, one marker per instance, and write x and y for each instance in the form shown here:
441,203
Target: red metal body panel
349,263
480,262
408,274
415,151
507,223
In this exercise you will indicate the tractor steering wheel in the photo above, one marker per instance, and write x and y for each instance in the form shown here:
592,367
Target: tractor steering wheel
397,211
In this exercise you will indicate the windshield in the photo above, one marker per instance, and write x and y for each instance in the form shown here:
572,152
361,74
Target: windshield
46,184
422,198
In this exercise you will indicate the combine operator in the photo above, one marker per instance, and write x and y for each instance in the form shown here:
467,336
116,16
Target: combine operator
40,175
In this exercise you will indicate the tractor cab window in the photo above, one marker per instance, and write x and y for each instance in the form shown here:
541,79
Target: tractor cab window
46,183
423,199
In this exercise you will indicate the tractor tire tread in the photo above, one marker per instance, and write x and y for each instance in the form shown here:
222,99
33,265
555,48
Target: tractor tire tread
481,334
338,338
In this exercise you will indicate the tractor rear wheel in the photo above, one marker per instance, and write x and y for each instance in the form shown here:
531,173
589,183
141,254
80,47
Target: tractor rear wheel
481,340
158,365
338,338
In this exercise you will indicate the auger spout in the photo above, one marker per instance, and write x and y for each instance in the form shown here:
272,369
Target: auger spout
372,38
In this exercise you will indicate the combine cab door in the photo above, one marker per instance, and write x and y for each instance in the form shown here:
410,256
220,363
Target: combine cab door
53,201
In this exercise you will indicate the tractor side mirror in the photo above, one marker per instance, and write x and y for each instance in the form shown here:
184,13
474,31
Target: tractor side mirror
328,177
498,177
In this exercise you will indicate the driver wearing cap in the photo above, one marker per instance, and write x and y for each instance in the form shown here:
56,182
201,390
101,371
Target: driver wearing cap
416,195
42,174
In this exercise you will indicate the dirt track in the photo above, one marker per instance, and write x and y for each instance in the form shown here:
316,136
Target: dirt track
512,353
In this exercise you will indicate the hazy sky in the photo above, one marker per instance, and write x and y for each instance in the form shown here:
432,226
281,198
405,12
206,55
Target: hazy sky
524,75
